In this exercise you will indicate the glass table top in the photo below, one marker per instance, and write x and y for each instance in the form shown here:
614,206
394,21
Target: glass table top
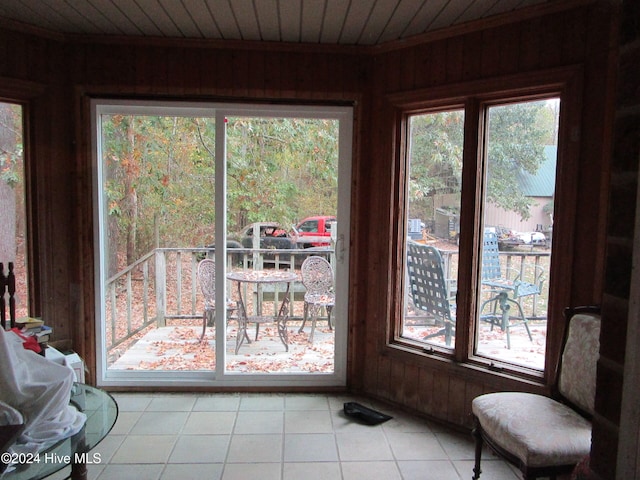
101,411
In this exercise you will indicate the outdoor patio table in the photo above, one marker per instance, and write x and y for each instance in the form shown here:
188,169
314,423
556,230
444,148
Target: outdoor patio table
259,277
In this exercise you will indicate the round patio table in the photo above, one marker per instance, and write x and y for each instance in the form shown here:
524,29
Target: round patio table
259,277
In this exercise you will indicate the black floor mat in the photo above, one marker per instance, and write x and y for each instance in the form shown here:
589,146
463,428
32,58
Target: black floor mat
364,414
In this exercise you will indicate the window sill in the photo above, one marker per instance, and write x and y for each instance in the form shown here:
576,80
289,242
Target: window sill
474,370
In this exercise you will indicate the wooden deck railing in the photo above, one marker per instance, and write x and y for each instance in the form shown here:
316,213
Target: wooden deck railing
162,286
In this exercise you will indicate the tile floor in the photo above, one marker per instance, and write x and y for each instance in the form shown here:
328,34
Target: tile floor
277,437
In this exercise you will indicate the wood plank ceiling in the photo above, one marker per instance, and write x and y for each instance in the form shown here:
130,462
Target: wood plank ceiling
340,22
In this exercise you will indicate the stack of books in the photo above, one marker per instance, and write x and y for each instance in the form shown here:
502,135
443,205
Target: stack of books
30,326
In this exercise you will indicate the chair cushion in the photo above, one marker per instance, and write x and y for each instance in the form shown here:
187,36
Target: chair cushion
577,380
538,430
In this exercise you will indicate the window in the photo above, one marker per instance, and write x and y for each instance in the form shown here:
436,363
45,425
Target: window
477,196
433,210
13,234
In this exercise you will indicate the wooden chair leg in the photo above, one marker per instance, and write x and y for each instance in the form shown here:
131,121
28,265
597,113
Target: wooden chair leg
478,437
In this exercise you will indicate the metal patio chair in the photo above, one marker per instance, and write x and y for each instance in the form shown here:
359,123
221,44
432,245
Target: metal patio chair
207,280
428,287
504,292
317,278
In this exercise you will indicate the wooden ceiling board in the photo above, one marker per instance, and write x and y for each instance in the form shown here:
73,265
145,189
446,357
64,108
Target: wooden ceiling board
311,20
357,17
344,22
268,19
181,18
157,19
245,15
478,9
406,10
289,17
504,6
225,19
60,14
424,17
453,10
111,18
202,17
19,11
141,20
378,21
335,13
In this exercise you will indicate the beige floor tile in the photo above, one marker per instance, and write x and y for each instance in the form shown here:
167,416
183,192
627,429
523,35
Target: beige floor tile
145,449
259,422
200,449
429,470
262,402
317,447
255,448
363,446
491,470
370,470
311,471
203,471
416,446
173,402
132,402
209,423
227,402
252,471
308,421
306,402
131,472
160,423
125,422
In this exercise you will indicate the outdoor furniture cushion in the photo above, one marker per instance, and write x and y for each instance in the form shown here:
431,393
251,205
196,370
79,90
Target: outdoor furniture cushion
559,436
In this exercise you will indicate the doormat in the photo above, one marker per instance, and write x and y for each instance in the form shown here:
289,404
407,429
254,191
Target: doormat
364,414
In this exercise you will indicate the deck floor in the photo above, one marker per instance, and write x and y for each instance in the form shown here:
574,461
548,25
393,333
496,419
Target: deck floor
179,348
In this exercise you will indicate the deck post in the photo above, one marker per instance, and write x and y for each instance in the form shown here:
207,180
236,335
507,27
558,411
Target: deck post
161,287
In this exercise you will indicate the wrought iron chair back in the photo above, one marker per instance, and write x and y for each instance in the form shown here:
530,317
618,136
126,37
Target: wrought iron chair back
207,280
317,278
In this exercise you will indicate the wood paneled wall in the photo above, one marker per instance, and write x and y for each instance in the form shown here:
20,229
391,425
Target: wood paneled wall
581,37
65,72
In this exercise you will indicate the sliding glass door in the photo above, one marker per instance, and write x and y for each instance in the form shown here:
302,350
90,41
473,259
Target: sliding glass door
193,203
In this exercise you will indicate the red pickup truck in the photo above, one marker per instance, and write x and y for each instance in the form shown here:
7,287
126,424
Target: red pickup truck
314,231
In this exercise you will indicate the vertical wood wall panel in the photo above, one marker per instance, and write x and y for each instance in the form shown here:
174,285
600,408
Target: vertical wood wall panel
445,392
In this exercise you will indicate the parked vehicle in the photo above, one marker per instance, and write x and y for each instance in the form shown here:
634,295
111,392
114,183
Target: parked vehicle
272,235
314,231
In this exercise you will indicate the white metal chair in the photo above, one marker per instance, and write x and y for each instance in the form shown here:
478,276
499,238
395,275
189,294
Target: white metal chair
207,281
317,278
545,436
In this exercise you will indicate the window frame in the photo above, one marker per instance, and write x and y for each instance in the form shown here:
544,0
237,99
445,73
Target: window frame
24,93
476,97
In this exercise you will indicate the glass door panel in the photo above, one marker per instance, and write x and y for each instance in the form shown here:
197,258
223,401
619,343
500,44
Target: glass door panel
282,174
